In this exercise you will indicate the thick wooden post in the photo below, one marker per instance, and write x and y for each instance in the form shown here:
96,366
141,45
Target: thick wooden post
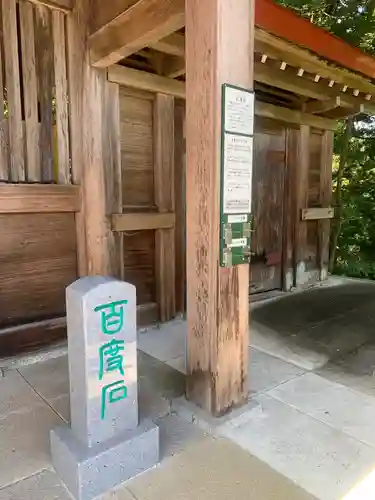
164,200
95,143
219,47
302,185
325,200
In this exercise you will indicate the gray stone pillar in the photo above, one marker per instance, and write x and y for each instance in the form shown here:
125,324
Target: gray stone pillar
105,444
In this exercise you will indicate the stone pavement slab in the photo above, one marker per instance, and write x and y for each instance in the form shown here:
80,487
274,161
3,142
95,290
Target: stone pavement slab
214,469
331,403
321,459
24,438
42,486
16,395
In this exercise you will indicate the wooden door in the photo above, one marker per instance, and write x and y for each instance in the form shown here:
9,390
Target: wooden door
267,208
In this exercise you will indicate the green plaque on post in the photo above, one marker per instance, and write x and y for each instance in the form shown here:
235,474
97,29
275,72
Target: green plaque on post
236,175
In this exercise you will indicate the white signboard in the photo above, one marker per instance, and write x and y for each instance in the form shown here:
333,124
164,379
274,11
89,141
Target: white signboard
238,111
237,172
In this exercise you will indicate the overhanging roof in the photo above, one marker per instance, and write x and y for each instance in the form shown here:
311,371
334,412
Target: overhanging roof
286,24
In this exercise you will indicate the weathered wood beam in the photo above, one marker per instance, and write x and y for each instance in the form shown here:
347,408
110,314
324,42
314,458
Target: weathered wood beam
165,269
174,67
63,5
219,48
95,146
318,213
142,80
38,198
318,107
142,221
104,12
139,26
270,75
173,45
279,49
293,116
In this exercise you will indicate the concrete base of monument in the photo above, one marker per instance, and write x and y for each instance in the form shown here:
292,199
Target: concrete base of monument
89,472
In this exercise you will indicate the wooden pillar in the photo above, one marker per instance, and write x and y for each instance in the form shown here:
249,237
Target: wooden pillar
219,49
302,185
324,225
164,200
95,143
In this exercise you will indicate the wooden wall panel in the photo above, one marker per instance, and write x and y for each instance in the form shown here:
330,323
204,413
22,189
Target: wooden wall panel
136,117
139,264
37,261
267,207
137,169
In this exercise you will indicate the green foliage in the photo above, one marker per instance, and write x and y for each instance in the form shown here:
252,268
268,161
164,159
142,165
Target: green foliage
354,21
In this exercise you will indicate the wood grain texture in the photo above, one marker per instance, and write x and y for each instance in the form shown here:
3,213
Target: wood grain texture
38,260
217,298
61,92
142,221
135,28
180,206
4,138
290,201
104,12
37,198
62,5
145,81
137,151
13,86
89,97
164,201
30,337
30,91
76,36
324,226
139,264
45,82
267,209
293,116
302,183
317,213
112,175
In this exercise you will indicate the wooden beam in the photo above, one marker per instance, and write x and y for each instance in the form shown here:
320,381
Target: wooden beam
270,75
38,198
95,149
63,5
324,226
301,189
165,265
76,66
173,45
180,205
154,83
174,67
219,48
103,13
293,116
319,107
13,86
142,221
144,23
317,213
142,80
61,86
280,49
30,90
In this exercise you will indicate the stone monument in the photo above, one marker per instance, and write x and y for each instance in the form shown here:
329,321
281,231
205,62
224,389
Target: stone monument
105,444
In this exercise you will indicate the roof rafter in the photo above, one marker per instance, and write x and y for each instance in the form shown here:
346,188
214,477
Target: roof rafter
141,25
